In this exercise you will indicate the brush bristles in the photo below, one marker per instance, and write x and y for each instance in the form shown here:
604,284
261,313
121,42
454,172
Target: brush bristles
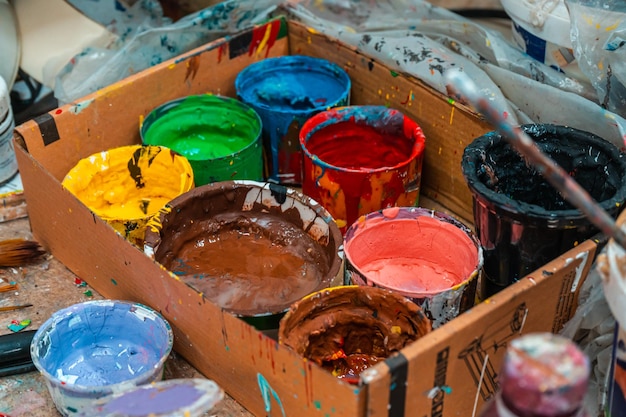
18,252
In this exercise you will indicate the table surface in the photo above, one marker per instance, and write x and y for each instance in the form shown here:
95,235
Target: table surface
49,286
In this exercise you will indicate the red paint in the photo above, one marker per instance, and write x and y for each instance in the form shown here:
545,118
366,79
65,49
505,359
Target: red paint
258,35
221,51
59,111
363,167
360,148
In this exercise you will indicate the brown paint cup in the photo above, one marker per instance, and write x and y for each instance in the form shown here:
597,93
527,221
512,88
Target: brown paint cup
347,329
252,248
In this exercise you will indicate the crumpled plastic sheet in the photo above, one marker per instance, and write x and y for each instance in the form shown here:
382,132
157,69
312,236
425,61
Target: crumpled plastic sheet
410,36
598,33
592,327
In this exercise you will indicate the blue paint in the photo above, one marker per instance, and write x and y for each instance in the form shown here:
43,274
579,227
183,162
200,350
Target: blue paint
285,92
86,349
267,392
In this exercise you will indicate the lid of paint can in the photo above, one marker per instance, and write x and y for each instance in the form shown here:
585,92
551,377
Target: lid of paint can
190,397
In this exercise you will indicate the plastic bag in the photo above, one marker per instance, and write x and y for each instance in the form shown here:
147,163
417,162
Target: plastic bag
410,36
598,32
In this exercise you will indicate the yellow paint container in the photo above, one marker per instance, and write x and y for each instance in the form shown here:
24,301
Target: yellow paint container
126,186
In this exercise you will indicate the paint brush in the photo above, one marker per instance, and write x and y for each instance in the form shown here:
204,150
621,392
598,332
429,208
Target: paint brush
15,307
18,252
465,88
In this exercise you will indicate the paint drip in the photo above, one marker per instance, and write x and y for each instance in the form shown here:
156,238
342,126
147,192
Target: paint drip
286,91
427,256
220,136
348,329
360,159
252,248
93,349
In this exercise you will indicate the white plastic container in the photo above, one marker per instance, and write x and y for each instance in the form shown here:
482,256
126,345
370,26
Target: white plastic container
541,28
8,163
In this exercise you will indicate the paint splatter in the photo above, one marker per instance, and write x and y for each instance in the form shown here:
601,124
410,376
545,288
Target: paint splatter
16,326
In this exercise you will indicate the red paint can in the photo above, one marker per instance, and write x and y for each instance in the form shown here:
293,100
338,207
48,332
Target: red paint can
359,159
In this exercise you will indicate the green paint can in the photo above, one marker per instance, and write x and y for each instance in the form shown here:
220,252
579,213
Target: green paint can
220,136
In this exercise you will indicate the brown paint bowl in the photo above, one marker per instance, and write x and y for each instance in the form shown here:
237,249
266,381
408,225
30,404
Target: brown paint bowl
250,247
347,329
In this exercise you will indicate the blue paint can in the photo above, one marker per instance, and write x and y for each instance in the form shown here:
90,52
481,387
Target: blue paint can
286,91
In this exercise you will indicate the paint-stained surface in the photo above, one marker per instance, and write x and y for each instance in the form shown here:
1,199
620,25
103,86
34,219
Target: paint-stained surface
359,159
286,91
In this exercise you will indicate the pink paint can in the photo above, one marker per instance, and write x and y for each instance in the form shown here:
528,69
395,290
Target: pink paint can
427,256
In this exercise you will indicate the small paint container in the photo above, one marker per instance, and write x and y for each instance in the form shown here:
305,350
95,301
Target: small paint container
191,397
521,220
359,159
286,91
220,136
250,247
126,186
98,348
348,329
427,256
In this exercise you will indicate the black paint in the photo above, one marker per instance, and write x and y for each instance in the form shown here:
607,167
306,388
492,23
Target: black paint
520,219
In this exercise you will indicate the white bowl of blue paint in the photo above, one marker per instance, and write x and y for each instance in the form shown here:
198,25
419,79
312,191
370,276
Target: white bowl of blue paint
286,91
97,348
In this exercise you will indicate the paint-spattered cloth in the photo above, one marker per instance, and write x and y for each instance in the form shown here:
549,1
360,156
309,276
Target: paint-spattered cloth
411,36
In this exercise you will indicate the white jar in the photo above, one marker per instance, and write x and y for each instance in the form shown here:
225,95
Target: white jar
8,163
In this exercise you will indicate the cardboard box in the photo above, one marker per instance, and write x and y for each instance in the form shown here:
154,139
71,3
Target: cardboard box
447,373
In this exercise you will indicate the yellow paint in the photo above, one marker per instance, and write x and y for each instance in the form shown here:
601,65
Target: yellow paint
104,183
612,27
311,30
266,37
396,329
452,115
333,198
171,66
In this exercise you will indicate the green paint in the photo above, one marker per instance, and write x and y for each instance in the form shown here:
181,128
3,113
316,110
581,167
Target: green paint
113,281
317,405
394,74
220,136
